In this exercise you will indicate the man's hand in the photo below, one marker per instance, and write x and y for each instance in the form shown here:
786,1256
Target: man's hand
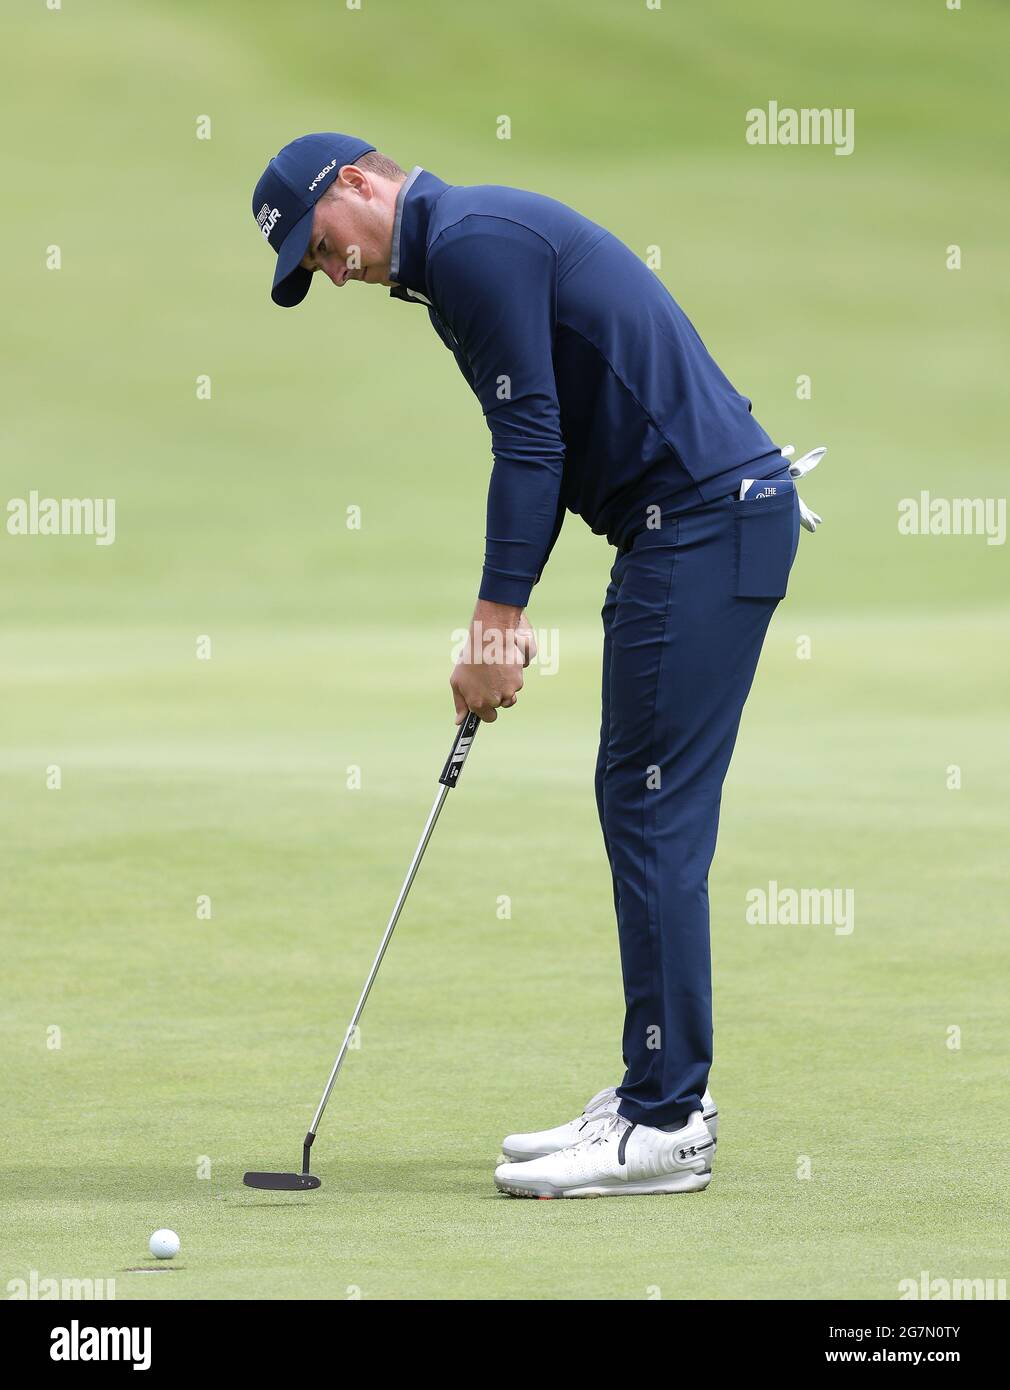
489,673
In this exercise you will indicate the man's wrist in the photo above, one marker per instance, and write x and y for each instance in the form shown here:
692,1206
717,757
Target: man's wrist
502,616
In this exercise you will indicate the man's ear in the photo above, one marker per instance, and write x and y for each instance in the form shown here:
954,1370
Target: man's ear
356,179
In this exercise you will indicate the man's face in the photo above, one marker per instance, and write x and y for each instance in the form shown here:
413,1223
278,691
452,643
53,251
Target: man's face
352,229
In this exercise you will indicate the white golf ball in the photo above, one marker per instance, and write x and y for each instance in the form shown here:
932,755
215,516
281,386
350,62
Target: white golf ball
164,1245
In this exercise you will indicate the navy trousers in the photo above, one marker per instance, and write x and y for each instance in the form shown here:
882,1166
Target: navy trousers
684,620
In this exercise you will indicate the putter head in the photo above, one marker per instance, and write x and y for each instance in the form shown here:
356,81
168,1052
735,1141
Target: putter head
282,1182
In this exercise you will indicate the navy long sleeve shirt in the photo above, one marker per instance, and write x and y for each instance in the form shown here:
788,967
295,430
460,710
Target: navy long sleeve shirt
600,396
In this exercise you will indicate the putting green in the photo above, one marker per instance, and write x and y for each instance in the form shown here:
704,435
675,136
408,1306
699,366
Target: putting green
153,1054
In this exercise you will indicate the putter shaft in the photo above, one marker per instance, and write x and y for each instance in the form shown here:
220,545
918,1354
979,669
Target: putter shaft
450,775
443,792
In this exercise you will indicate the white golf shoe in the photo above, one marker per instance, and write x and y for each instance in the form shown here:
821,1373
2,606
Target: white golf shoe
620,1159
521,1148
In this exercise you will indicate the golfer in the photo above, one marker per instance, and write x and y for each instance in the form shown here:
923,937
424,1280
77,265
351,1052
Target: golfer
601,400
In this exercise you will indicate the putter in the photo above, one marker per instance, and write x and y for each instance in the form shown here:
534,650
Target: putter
306,1181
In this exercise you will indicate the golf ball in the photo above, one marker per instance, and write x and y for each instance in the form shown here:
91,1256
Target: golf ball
164,1244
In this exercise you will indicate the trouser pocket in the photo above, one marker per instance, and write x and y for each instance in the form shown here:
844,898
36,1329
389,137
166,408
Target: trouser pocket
767,533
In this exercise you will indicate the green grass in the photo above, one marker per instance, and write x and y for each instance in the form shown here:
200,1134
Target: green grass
185,1040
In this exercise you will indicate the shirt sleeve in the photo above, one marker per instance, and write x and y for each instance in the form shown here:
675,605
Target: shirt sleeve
493,283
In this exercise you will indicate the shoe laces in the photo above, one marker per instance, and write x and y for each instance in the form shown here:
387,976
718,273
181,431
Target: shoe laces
596,1113
603,1100
604,1126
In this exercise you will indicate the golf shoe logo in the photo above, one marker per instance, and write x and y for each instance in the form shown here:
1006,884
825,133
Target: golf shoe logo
691,1151
267,218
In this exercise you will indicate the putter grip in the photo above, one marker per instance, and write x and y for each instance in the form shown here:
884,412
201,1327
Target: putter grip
465,736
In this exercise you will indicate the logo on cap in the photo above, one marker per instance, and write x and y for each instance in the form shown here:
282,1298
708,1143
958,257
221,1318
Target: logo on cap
322,174
267,218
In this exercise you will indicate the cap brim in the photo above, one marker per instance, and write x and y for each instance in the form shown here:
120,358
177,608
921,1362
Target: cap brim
291,279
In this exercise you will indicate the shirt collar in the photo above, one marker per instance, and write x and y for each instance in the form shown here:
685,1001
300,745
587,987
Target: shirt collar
418,194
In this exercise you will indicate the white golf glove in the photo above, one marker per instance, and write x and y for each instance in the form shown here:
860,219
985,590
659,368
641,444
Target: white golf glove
797,469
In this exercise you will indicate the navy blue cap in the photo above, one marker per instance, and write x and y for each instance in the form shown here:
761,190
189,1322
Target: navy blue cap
285,198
